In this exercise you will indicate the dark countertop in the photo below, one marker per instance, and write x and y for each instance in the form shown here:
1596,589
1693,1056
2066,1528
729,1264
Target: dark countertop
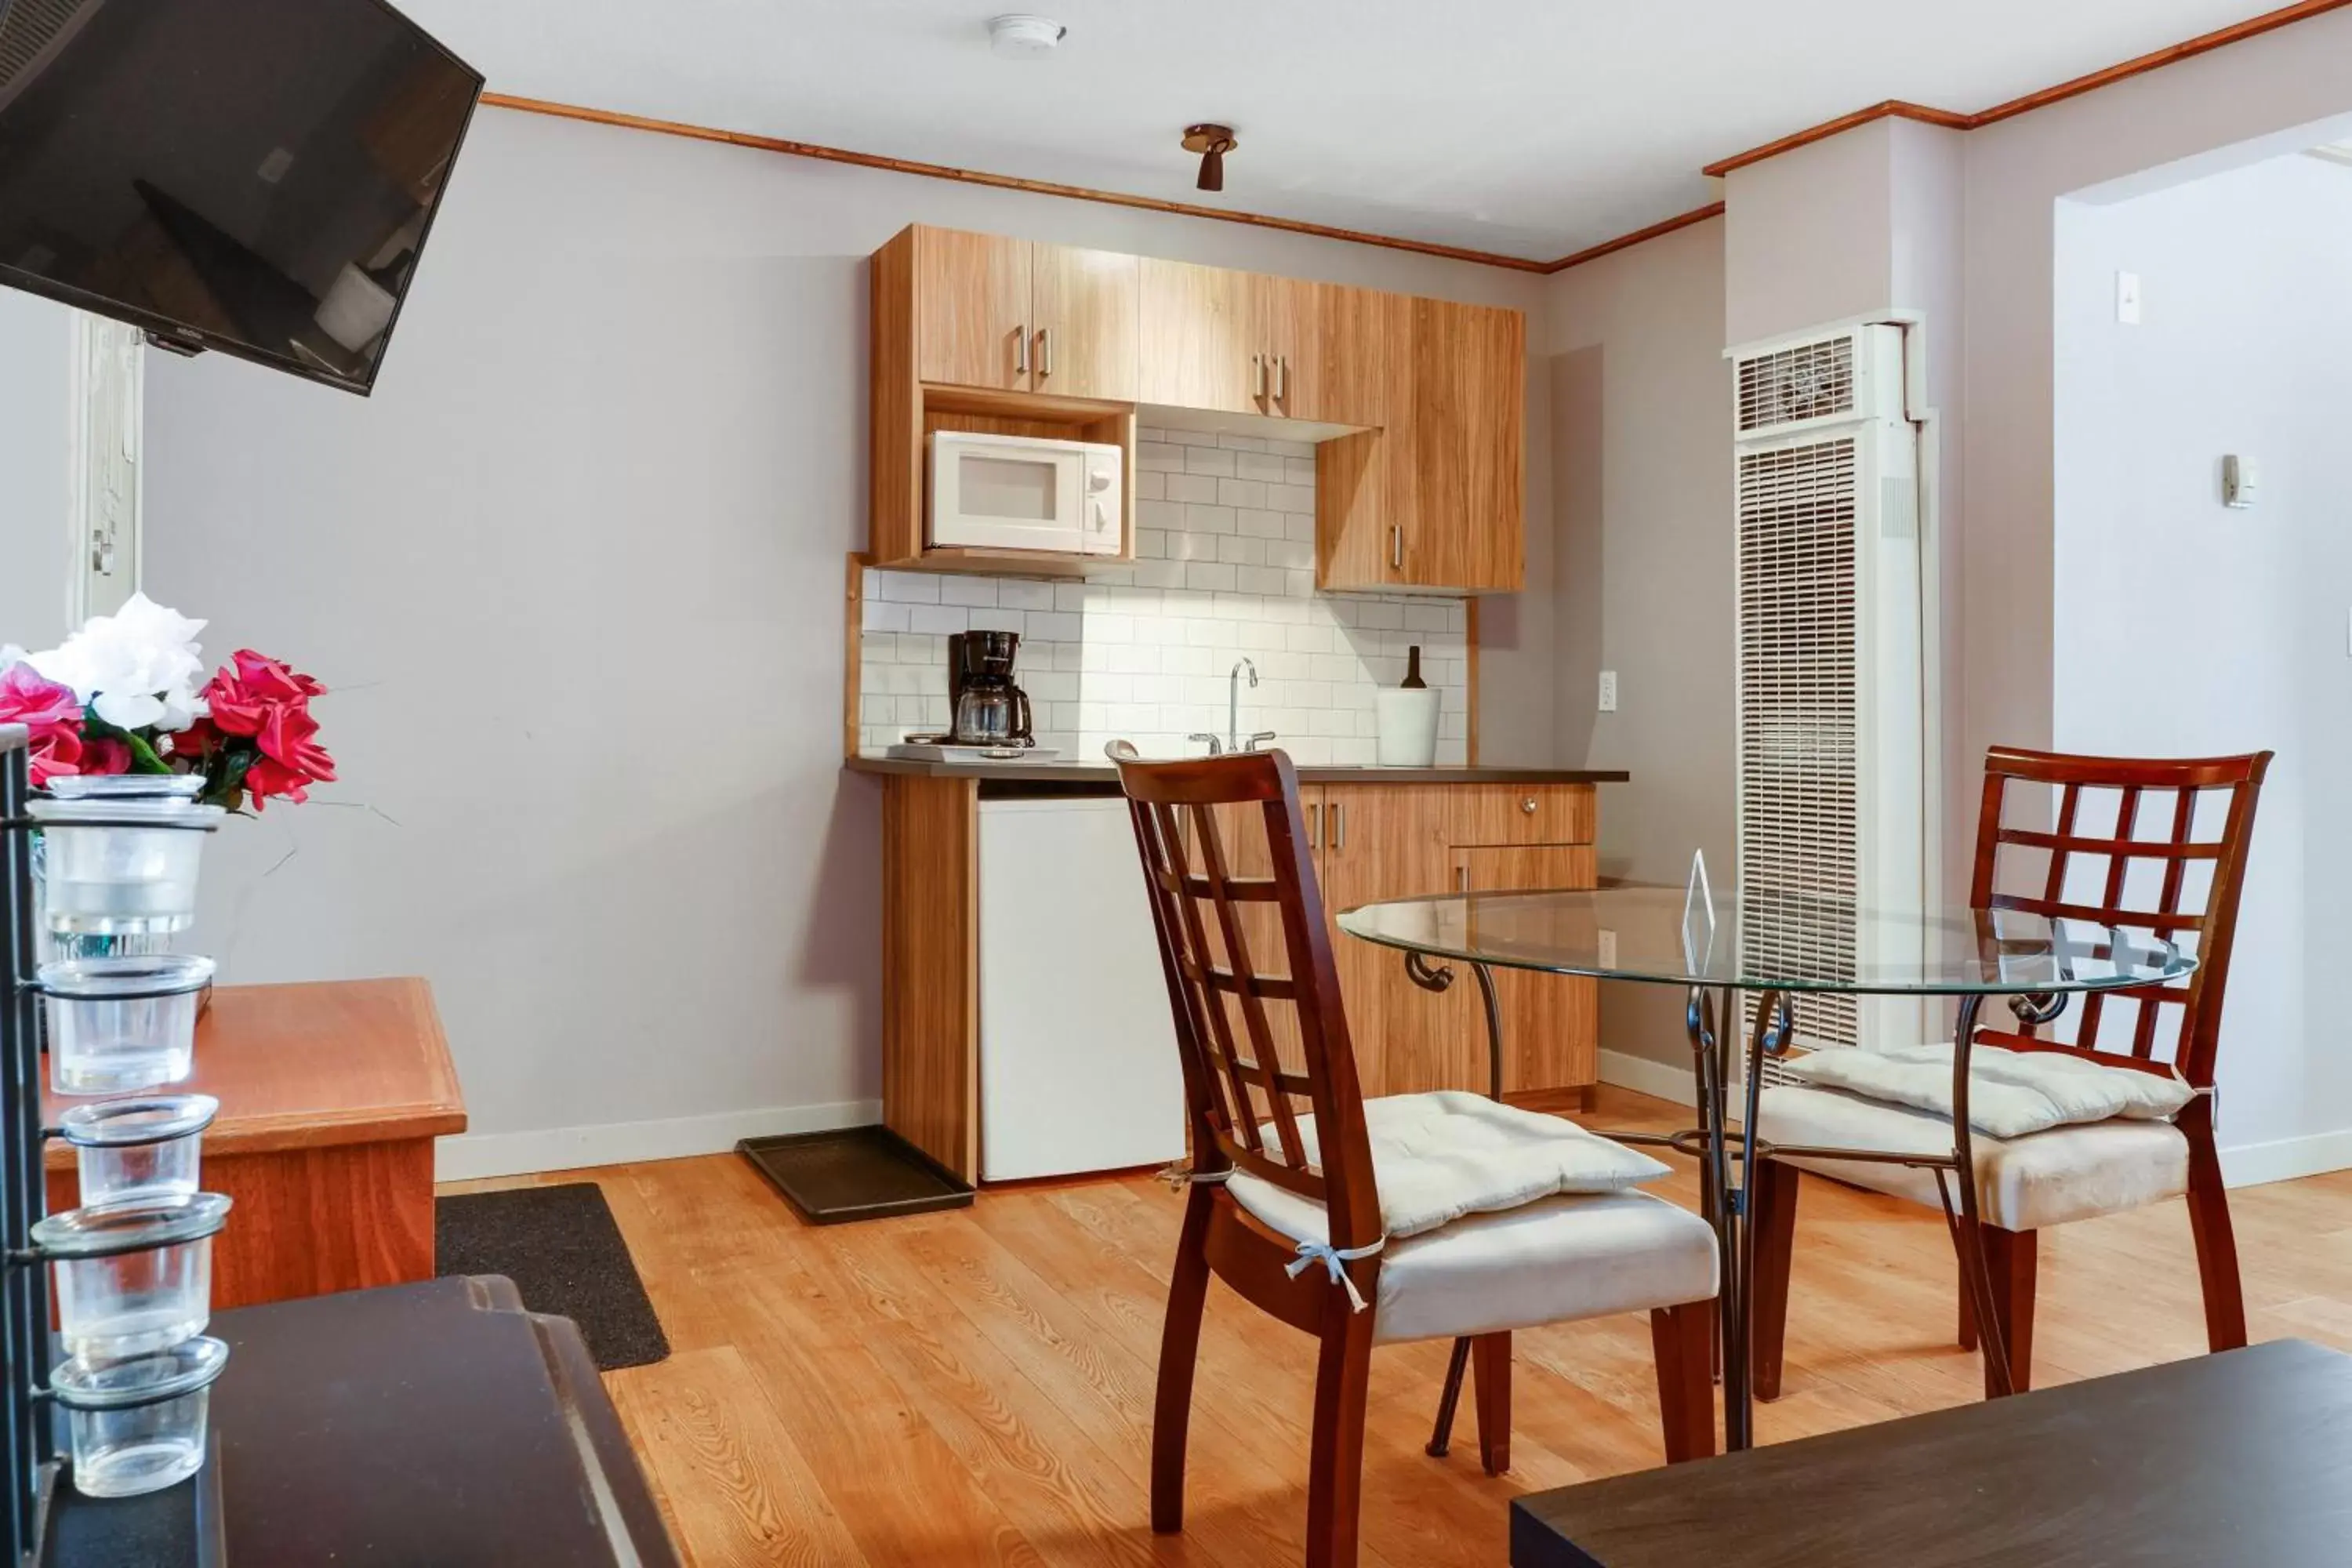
1103,774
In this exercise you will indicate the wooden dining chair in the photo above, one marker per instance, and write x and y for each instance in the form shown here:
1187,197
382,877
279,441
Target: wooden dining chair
2083,870
1284,1201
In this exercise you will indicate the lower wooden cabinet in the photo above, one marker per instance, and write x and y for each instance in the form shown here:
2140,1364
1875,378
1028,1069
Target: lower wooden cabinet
1372,842
1550,1022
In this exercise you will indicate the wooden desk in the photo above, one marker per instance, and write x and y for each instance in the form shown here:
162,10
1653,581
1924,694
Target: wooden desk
436,1424
331,1095
2232,1458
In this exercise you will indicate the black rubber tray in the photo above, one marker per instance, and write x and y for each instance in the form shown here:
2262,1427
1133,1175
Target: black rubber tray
856,1172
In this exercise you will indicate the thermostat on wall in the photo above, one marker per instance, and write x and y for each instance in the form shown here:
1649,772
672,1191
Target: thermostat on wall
2239,480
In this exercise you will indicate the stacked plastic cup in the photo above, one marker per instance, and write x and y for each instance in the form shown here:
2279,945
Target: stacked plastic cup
131,1266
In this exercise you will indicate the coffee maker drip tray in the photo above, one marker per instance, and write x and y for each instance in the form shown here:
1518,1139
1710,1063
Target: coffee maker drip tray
924,751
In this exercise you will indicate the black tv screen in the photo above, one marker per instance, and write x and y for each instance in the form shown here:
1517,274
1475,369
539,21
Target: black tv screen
256,176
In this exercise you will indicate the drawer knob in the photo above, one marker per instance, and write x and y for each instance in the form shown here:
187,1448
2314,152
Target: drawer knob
1528,806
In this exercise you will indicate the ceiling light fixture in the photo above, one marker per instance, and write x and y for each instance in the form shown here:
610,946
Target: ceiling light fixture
1212,142
1020,36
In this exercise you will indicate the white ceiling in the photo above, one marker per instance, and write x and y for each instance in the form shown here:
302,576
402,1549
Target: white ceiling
1530,127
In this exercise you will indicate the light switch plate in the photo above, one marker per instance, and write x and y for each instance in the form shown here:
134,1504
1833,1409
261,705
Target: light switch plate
1608,691
2128,299
1608,948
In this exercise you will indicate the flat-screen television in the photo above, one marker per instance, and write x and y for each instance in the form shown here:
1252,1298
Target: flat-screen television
256,177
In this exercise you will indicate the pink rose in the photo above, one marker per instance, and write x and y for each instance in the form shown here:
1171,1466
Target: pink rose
53,714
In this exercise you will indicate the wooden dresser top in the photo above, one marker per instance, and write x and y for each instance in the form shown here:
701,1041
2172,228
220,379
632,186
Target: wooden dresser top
315,1065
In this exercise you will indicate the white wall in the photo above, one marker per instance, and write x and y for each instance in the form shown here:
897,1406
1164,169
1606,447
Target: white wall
575,571
1641,439
1807,235
35,478
2281,85
2186,629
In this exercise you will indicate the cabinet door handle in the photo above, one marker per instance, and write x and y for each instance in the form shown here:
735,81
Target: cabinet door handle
1257,375
1339,827
1045,351
1282,379
1021,352
1528,806
1462,879
1314,825
1396,544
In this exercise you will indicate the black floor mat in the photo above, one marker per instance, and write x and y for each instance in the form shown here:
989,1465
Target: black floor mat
564,1253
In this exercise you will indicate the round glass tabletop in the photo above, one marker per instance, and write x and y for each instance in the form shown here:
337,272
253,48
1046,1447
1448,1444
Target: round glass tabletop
1762,942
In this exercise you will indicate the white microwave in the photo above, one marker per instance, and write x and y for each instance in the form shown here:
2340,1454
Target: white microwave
1021,492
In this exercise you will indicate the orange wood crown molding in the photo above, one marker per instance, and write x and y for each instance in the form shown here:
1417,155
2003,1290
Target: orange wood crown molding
1005,182
1608,247
1895,108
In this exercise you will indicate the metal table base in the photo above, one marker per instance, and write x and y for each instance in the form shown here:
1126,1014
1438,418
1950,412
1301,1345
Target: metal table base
1727,1162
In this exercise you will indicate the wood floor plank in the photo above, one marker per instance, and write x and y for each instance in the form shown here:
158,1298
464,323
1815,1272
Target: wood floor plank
736,1489
974,1387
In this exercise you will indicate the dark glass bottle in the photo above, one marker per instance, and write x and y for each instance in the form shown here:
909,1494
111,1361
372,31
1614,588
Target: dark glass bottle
1412,680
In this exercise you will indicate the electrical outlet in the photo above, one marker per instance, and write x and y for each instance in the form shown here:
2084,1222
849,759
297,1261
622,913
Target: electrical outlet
1608,948
1608,691
2128,299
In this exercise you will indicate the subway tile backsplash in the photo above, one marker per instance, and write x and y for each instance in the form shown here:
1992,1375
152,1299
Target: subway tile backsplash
1225,570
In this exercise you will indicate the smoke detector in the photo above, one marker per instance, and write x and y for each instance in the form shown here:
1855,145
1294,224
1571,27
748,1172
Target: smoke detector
1020,36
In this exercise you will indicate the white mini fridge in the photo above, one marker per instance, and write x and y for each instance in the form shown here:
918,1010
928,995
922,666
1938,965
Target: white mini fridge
1077,1055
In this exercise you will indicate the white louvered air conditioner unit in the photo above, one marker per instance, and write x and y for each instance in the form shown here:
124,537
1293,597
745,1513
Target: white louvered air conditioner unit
1835,593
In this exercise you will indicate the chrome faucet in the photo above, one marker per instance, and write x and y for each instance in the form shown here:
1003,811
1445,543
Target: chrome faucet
1233,740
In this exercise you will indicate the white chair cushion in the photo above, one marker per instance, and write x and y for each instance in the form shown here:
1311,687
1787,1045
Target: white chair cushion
2025,1183
1444,1154
2010,1093
1551,1261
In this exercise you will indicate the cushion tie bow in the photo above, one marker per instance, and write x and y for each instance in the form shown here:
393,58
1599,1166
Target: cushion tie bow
1334,1260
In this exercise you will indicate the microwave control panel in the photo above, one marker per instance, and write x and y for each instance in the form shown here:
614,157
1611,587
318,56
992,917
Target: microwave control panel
1104,505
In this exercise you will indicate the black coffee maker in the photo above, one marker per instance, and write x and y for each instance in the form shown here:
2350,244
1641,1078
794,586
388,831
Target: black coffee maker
985,708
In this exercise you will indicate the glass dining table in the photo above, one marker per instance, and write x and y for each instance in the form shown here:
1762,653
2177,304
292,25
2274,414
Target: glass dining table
1762,948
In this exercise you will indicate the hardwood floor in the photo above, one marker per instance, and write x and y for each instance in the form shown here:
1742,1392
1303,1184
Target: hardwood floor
975,1386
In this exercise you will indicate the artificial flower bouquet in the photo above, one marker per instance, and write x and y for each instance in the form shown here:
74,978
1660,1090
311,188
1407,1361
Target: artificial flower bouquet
120,696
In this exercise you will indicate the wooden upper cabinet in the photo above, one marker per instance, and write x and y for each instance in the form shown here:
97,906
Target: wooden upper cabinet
1086,315
1289,334
1428,491
1200,327
1359,337
1009,315
1238,343
971,309
1437,498
1467,528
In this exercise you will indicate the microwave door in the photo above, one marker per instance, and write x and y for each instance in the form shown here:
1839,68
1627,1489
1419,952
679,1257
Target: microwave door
1008,500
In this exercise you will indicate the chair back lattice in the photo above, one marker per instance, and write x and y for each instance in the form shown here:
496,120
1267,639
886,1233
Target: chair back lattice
1251,980
2156,849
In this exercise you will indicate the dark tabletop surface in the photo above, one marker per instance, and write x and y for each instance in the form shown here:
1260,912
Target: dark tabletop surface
2237,1460
436,1424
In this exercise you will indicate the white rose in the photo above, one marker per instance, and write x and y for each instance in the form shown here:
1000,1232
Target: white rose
140,668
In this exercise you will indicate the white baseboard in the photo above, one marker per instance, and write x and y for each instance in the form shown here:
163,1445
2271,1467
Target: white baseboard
2282,1159
473,1155
1662,1080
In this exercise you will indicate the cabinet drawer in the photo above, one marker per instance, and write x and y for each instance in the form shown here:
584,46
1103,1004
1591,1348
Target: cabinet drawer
1535,868
1521,813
